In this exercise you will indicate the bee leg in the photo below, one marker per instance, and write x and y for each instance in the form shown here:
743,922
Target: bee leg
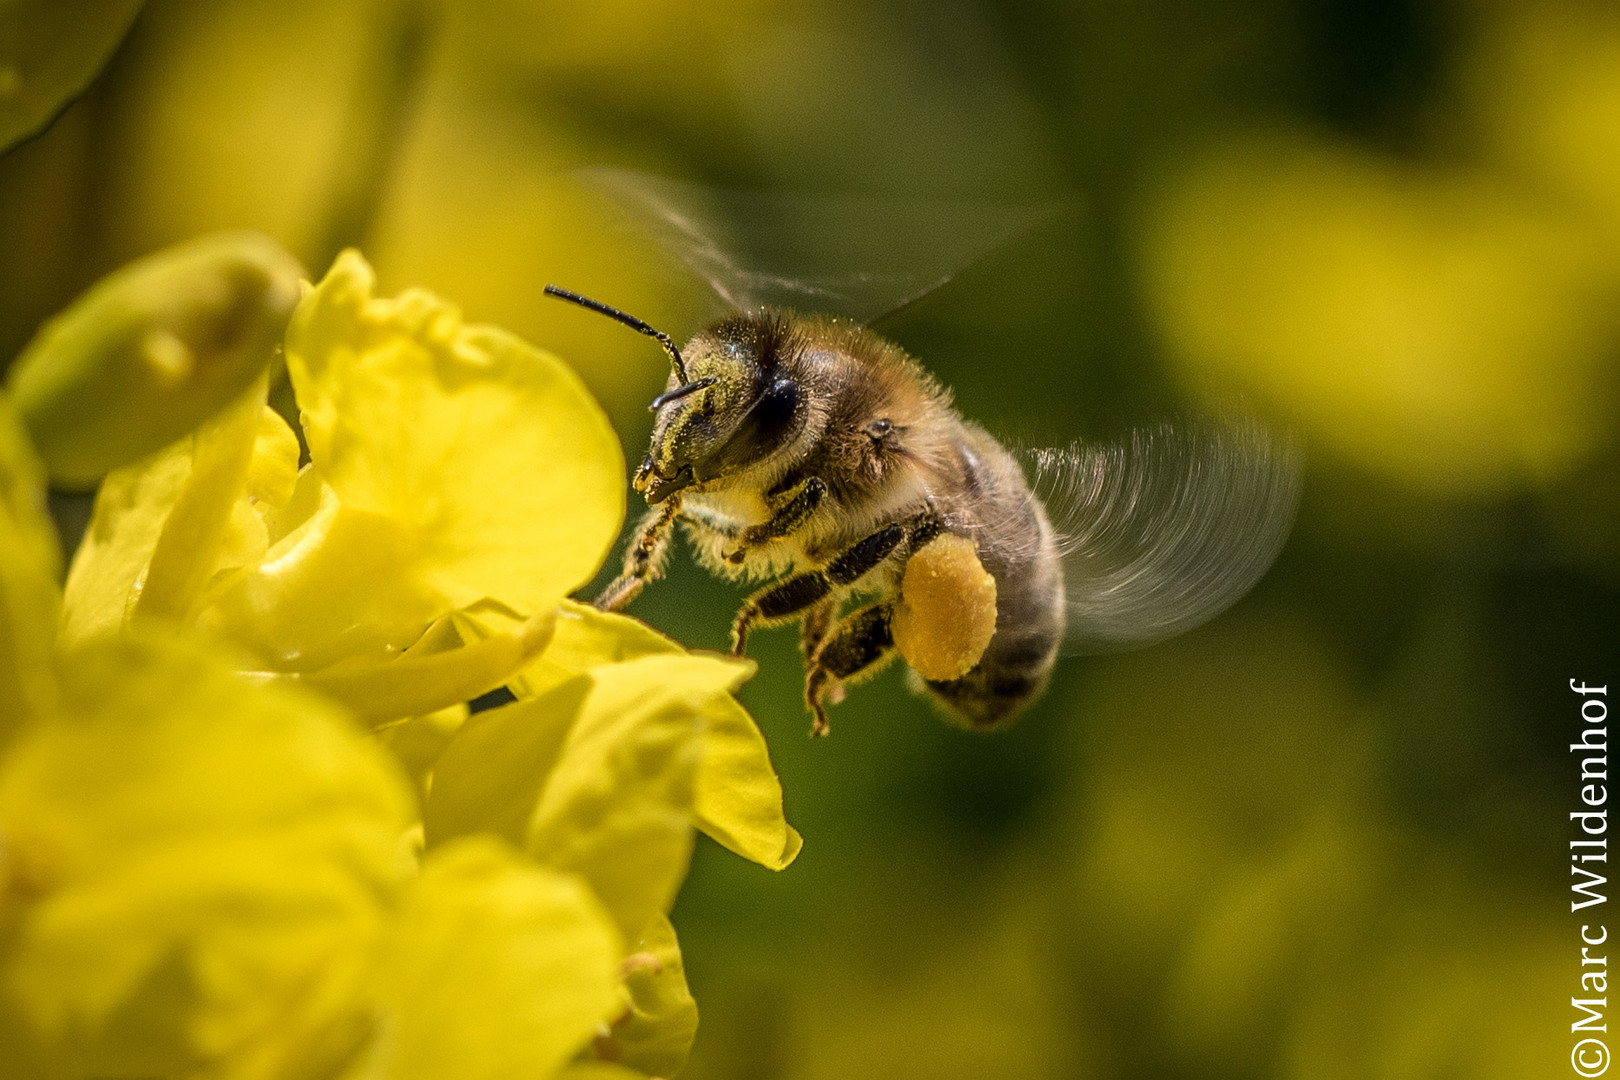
711,522
786,598
644,559
813,628
799,502
860,645
777,602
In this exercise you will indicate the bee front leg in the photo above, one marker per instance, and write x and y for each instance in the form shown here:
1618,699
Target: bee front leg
791,509
860,645
791,596
644,559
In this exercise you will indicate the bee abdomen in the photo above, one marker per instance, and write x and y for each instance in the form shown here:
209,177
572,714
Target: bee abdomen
1016,544
1016,665
1000,686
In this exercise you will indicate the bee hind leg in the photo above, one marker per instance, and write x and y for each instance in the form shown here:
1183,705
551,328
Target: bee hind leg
644,559
791,596
860,645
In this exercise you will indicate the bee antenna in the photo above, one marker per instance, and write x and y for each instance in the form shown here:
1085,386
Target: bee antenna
629,320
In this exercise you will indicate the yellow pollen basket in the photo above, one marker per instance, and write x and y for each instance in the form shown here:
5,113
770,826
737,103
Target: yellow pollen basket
946,614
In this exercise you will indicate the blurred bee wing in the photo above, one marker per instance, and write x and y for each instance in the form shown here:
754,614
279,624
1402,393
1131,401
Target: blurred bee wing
858,257
1166,529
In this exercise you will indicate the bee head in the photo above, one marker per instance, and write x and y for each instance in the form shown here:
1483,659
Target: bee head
729,403
736,407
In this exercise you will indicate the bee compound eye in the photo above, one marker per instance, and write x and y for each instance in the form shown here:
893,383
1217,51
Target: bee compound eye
777,405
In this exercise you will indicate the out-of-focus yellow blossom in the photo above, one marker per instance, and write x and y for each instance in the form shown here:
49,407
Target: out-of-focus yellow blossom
417,741
151,350
450,464
1544,83
200,876
655,1035
194,872
495,968
177,509
29,598
1445,328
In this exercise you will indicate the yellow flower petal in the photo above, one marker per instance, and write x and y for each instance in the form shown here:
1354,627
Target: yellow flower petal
490,776
497,968
418,741
130,511
585,639
739,798
656,1036
29,562
196,871
596,775
617,807
490,453
340,585
188,549
181,510
152,350
424,680
271,480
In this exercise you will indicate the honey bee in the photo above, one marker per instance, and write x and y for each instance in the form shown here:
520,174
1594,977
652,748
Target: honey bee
809,451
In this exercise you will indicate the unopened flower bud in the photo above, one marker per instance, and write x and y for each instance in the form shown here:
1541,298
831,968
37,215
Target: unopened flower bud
151,351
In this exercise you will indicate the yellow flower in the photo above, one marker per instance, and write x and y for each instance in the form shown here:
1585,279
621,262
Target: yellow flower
598,772
199,876
461,483
203,876
1447,328
450,464
206,867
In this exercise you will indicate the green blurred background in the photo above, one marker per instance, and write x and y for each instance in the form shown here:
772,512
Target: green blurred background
1322,836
